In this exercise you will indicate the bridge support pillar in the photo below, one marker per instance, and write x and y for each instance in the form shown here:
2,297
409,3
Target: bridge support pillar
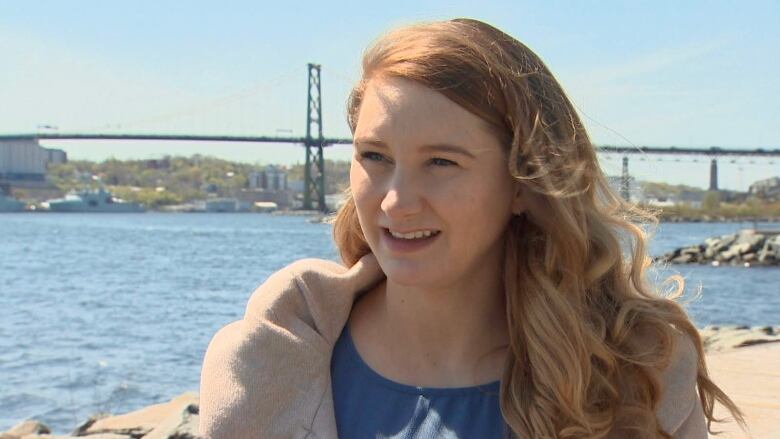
314,185
625,181
714,175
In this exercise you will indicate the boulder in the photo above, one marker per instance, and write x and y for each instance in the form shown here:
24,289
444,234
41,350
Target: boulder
741,248
771,250
746,248
81,429
750,237
182,424
692,250
94,436
140,422
725,242
712,242
25,428
710,252
734,252
725,256
683,259
721,338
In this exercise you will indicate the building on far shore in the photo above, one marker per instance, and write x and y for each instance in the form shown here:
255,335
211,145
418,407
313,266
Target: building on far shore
271,178
768,189
23,162
269,185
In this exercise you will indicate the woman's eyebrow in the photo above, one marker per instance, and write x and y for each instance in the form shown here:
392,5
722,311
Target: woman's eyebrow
437,147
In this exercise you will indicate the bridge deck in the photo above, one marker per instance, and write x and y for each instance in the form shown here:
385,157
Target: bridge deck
712,151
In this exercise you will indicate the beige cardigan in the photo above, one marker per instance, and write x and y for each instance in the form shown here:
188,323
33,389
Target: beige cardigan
268,375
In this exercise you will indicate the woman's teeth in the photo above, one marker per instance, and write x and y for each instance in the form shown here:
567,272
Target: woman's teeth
415,235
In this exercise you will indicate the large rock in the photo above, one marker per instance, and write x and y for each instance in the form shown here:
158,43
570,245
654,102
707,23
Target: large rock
86,424
25,428
692,250
771,250
724,242
140,422
94,436
747,247
750,237
721,338
735,251
683,259
182,424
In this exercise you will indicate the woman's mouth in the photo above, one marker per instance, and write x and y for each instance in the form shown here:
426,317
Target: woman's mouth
405,242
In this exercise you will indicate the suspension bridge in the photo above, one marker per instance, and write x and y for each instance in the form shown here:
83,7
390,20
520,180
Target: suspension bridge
314,142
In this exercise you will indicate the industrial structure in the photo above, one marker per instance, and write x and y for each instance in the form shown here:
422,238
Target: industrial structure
23,160
273,177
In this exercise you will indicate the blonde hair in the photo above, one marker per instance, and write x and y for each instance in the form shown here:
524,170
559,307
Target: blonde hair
565,270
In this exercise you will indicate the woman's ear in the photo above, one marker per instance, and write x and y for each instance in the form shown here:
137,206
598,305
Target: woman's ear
518,200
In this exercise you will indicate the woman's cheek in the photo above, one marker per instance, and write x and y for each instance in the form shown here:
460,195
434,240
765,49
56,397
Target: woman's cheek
451,192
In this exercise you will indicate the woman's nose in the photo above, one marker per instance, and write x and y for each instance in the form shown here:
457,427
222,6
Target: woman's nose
402,198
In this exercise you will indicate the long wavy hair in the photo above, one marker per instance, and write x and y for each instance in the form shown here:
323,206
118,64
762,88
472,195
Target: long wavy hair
586,329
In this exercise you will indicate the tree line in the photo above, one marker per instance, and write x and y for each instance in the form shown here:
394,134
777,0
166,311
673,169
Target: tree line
177,179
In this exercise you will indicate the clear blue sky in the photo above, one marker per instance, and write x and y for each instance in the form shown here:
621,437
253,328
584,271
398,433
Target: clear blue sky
693,73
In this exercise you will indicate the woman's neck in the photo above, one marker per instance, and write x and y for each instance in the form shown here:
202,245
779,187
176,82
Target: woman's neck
445,337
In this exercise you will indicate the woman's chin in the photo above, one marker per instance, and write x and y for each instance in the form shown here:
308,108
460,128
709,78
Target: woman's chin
411,274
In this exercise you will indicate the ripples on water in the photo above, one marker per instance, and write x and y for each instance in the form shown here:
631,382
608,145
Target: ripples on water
114,312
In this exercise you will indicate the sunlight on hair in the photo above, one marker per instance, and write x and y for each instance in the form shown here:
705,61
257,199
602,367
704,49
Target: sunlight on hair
576,260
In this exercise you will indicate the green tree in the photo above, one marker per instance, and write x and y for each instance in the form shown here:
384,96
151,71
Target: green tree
711,202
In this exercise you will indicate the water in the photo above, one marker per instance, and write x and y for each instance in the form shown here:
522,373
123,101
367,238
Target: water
114,312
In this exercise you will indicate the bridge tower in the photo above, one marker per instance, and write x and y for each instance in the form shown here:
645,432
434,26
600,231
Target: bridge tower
625,181
714,175
314,185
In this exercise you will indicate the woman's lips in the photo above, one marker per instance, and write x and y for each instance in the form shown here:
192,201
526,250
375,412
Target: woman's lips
401,245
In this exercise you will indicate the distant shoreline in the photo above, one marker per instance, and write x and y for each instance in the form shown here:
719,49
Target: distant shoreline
709,219
671,219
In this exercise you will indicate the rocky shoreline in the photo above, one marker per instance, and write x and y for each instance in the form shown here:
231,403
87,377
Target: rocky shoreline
721,338
175,419
178,418
717,219
747,248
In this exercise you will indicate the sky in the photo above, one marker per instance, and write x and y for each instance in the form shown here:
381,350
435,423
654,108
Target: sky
641,73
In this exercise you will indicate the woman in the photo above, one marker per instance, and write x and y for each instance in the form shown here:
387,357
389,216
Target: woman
487,294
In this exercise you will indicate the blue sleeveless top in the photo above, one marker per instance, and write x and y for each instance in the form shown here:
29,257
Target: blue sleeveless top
368,405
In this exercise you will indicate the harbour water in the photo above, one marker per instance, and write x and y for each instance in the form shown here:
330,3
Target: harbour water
114,312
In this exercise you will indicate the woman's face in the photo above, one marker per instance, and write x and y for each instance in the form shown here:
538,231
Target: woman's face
424,165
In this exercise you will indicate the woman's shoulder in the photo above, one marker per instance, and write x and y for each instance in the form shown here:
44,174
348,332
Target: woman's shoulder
311,290
683,364
282,288
679,410
275,303
278,353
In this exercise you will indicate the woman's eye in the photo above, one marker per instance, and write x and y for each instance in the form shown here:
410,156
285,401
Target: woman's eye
372,156
377,157
442,162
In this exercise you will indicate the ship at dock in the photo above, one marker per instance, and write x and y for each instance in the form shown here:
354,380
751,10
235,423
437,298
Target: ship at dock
93,200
